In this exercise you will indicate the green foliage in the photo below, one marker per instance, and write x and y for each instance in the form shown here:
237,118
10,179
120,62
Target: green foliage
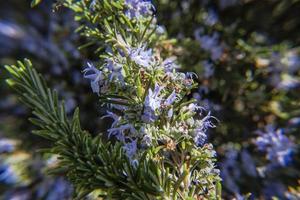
89,163
92,164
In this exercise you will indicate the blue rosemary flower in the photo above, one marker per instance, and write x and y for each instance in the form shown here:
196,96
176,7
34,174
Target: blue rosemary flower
147,140
95,76
201,126
211,18
210,43
171,99
7,145
152,104
119,132
141,56
200,137
7,174
139,8
278,147
208,69
115,71
169,64
131,149
115,117
194,107
170,113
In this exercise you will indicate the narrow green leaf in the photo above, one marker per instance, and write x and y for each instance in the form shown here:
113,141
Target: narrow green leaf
35,2
178,182
219,190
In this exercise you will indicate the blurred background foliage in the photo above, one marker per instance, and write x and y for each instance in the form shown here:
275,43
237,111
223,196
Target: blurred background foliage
246,55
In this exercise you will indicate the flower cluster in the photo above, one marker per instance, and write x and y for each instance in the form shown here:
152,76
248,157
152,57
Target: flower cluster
156,104
278,147
210,43
149,102
146,99
283,70
139,8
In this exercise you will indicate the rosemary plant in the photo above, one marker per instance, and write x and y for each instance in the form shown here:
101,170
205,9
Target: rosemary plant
156,147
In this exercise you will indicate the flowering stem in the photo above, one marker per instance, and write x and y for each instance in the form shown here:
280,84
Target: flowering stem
146,28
